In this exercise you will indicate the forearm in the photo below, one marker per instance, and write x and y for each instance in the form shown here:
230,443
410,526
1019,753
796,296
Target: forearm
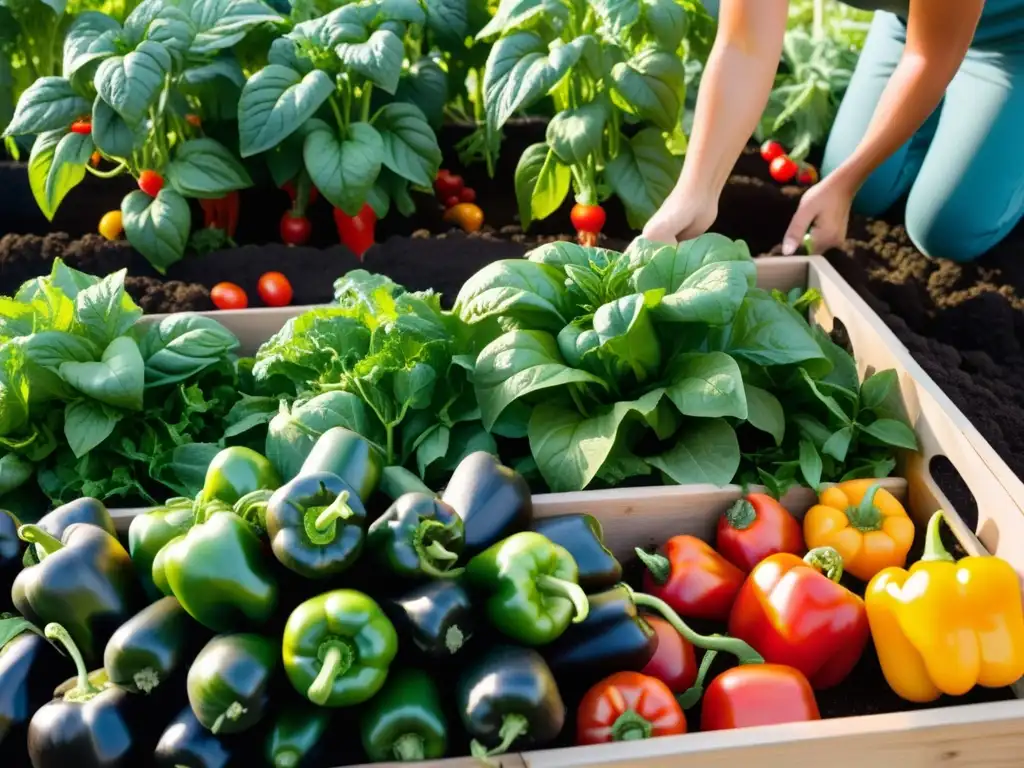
734,90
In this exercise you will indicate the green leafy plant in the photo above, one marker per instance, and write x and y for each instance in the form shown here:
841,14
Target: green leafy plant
125,93
311,109
655,360
615,72
95,403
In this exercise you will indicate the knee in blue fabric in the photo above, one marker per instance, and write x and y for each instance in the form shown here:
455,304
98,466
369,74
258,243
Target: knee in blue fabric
949,231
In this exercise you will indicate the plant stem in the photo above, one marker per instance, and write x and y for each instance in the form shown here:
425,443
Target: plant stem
364,113
116,171
337,115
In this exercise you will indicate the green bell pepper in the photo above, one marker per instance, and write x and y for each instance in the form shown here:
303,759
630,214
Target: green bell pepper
235,472
348,455
337,648
316,524
220,575
405,721
297,734
149,533
418,536
532,588
229,681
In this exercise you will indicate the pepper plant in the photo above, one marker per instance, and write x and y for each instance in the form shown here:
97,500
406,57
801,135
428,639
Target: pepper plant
311,110
129,93
615,72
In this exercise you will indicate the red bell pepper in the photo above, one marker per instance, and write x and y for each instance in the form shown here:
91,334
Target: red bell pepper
755,527
757,694
674,661
794,612
356,232
628,706
692,578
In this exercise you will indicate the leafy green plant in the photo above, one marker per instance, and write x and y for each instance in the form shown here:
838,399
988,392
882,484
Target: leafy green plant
95,403
615,72
311,108
656,360
125,92
386,363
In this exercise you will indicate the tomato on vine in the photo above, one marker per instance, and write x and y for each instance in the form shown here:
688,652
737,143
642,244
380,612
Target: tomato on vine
771,149
194,120
295,230
229,296
467,195
275,289
82,127
111,225
808,175
783,169
151,183
588,218
466,215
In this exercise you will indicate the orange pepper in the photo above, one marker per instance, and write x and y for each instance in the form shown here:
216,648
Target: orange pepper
865,523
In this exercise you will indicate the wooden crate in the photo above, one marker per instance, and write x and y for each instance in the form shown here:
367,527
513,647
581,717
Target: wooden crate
978,735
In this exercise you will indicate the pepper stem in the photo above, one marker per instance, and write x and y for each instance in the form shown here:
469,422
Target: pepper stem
866,516
146,679
826,561
234,711
320,523
84,689
570,590
408,748
436,560
437,551
692,695
337,656
743,652
741,515
339,510
631,726
934,551
658,565
454,639
33,534
287,758
512,727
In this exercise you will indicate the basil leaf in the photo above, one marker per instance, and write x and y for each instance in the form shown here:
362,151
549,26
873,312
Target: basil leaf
576,134
138,21
617,16
174,30
157,227
764,412
666,21
379,59
130,84
553,183
91,37
526,290
103,311
87,424
448,20
275,102
705,451
67,170
713,294
625,331
892,432
877,388
48,104
513,15
810,464
652,86
112,135
205,169
410,146
182,345
707,384
838,444
667,267
344,171
766,332
425,84
117,379
40,163
531,162
14,473
221,24
642,174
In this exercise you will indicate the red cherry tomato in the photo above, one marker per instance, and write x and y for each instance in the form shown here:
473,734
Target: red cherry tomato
451,201
151,183
447,184
81,127
587,218
229,296
674,662
295,230
275,290
808,175
783,169
194,120
467,195
771,149
94,159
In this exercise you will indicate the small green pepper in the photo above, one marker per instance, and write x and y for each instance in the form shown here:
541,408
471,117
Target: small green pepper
316,524
531,585
148,534
348,455
235,472
228,683
296,735
405,721
337,648
418,536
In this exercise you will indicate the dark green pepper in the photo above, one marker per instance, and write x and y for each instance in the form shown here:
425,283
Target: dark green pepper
316,524
185,743
220,575
509,698
492,500
235,472
86,582
11,548
436,617
405,722
583,538
84,510
229,681
613,638
149,533
530,583
348,455
158,642
337,648
418,536
297,735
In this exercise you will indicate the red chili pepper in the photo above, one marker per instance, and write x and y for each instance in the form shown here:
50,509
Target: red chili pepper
94,159
447,184
757,694
295,230
755,527
222,213
674,661
772,149
151,183
808,175
783,169
356,232
793,611
81,127
628,706
692,578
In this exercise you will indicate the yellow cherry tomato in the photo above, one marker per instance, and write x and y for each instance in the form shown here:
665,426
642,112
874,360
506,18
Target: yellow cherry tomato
111,225
466,215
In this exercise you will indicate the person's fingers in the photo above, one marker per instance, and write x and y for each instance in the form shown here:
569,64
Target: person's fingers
658,230
801,222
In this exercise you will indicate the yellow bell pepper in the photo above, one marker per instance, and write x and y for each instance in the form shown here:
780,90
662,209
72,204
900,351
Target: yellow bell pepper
946,626
864,523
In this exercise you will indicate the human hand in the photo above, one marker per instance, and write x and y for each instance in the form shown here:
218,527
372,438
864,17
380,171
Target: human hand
683,216
824,210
